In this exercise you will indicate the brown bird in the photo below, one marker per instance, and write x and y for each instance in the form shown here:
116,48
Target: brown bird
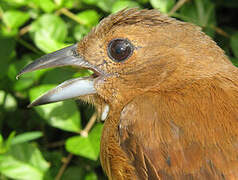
167,91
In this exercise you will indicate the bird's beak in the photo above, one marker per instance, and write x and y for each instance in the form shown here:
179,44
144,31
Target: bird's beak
68,89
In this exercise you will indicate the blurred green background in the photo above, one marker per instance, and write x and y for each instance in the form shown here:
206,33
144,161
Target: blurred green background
56,141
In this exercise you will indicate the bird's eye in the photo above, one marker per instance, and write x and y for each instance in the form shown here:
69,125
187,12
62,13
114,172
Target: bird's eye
119,49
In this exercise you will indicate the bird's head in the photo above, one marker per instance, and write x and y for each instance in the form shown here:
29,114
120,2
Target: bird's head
131,52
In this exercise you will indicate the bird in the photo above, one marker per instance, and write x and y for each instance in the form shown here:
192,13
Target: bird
167,91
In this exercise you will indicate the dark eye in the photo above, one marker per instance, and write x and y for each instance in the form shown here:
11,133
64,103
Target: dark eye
119,49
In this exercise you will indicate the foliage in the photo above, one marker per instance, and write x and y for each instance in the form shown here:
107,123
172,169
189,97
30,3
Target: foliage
36,143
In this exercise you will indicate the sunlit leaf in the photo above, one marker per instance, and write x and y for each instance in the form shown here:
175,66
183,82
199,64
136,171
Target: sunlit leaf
8,32
71,4
25,137
26,80
17,3
163,5
91,176
121,4
91,2
8,102
86,146
15,18
49,32
23,161
5,145
1,139
88,17
46,5
63,115
105,5
80,31
59,2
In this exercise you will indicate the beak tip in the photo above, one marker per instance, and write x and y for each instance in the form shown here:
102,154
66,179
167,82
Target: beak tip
39,101
18,75
29,106
32,104
23,71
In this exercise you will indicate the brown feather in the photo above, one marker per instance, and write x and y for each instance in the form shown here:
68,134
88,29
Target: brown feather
173,103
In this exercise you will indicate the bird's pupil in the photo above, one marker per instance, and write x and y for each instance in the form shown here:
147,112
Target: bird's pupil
119,49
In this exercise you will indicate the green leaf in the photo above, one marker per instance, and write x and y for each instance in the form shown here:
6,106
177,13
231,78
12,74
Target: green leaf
63,115
23,161
2,148
59,2
71,4
49,32
163,5
143,1
46,5
5,145
234,44
122,4
25,137
83,73
105,5
17,3
87,147
26,80
90,2
91,176
201,13
55,158
47,45
1,140
234,61
8,102
8,142
73,173
89,17
7,32
15,18
80,31
57,75
7,46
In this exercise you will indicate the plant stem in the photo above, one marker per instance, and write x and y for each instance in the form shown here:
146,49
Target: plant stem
89,125
64,166
69,14
177,6
24,30
55,144
220,31
28,45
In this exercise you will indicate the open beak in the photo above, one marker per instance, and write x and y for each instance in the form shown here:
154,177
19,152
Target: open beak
69,89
